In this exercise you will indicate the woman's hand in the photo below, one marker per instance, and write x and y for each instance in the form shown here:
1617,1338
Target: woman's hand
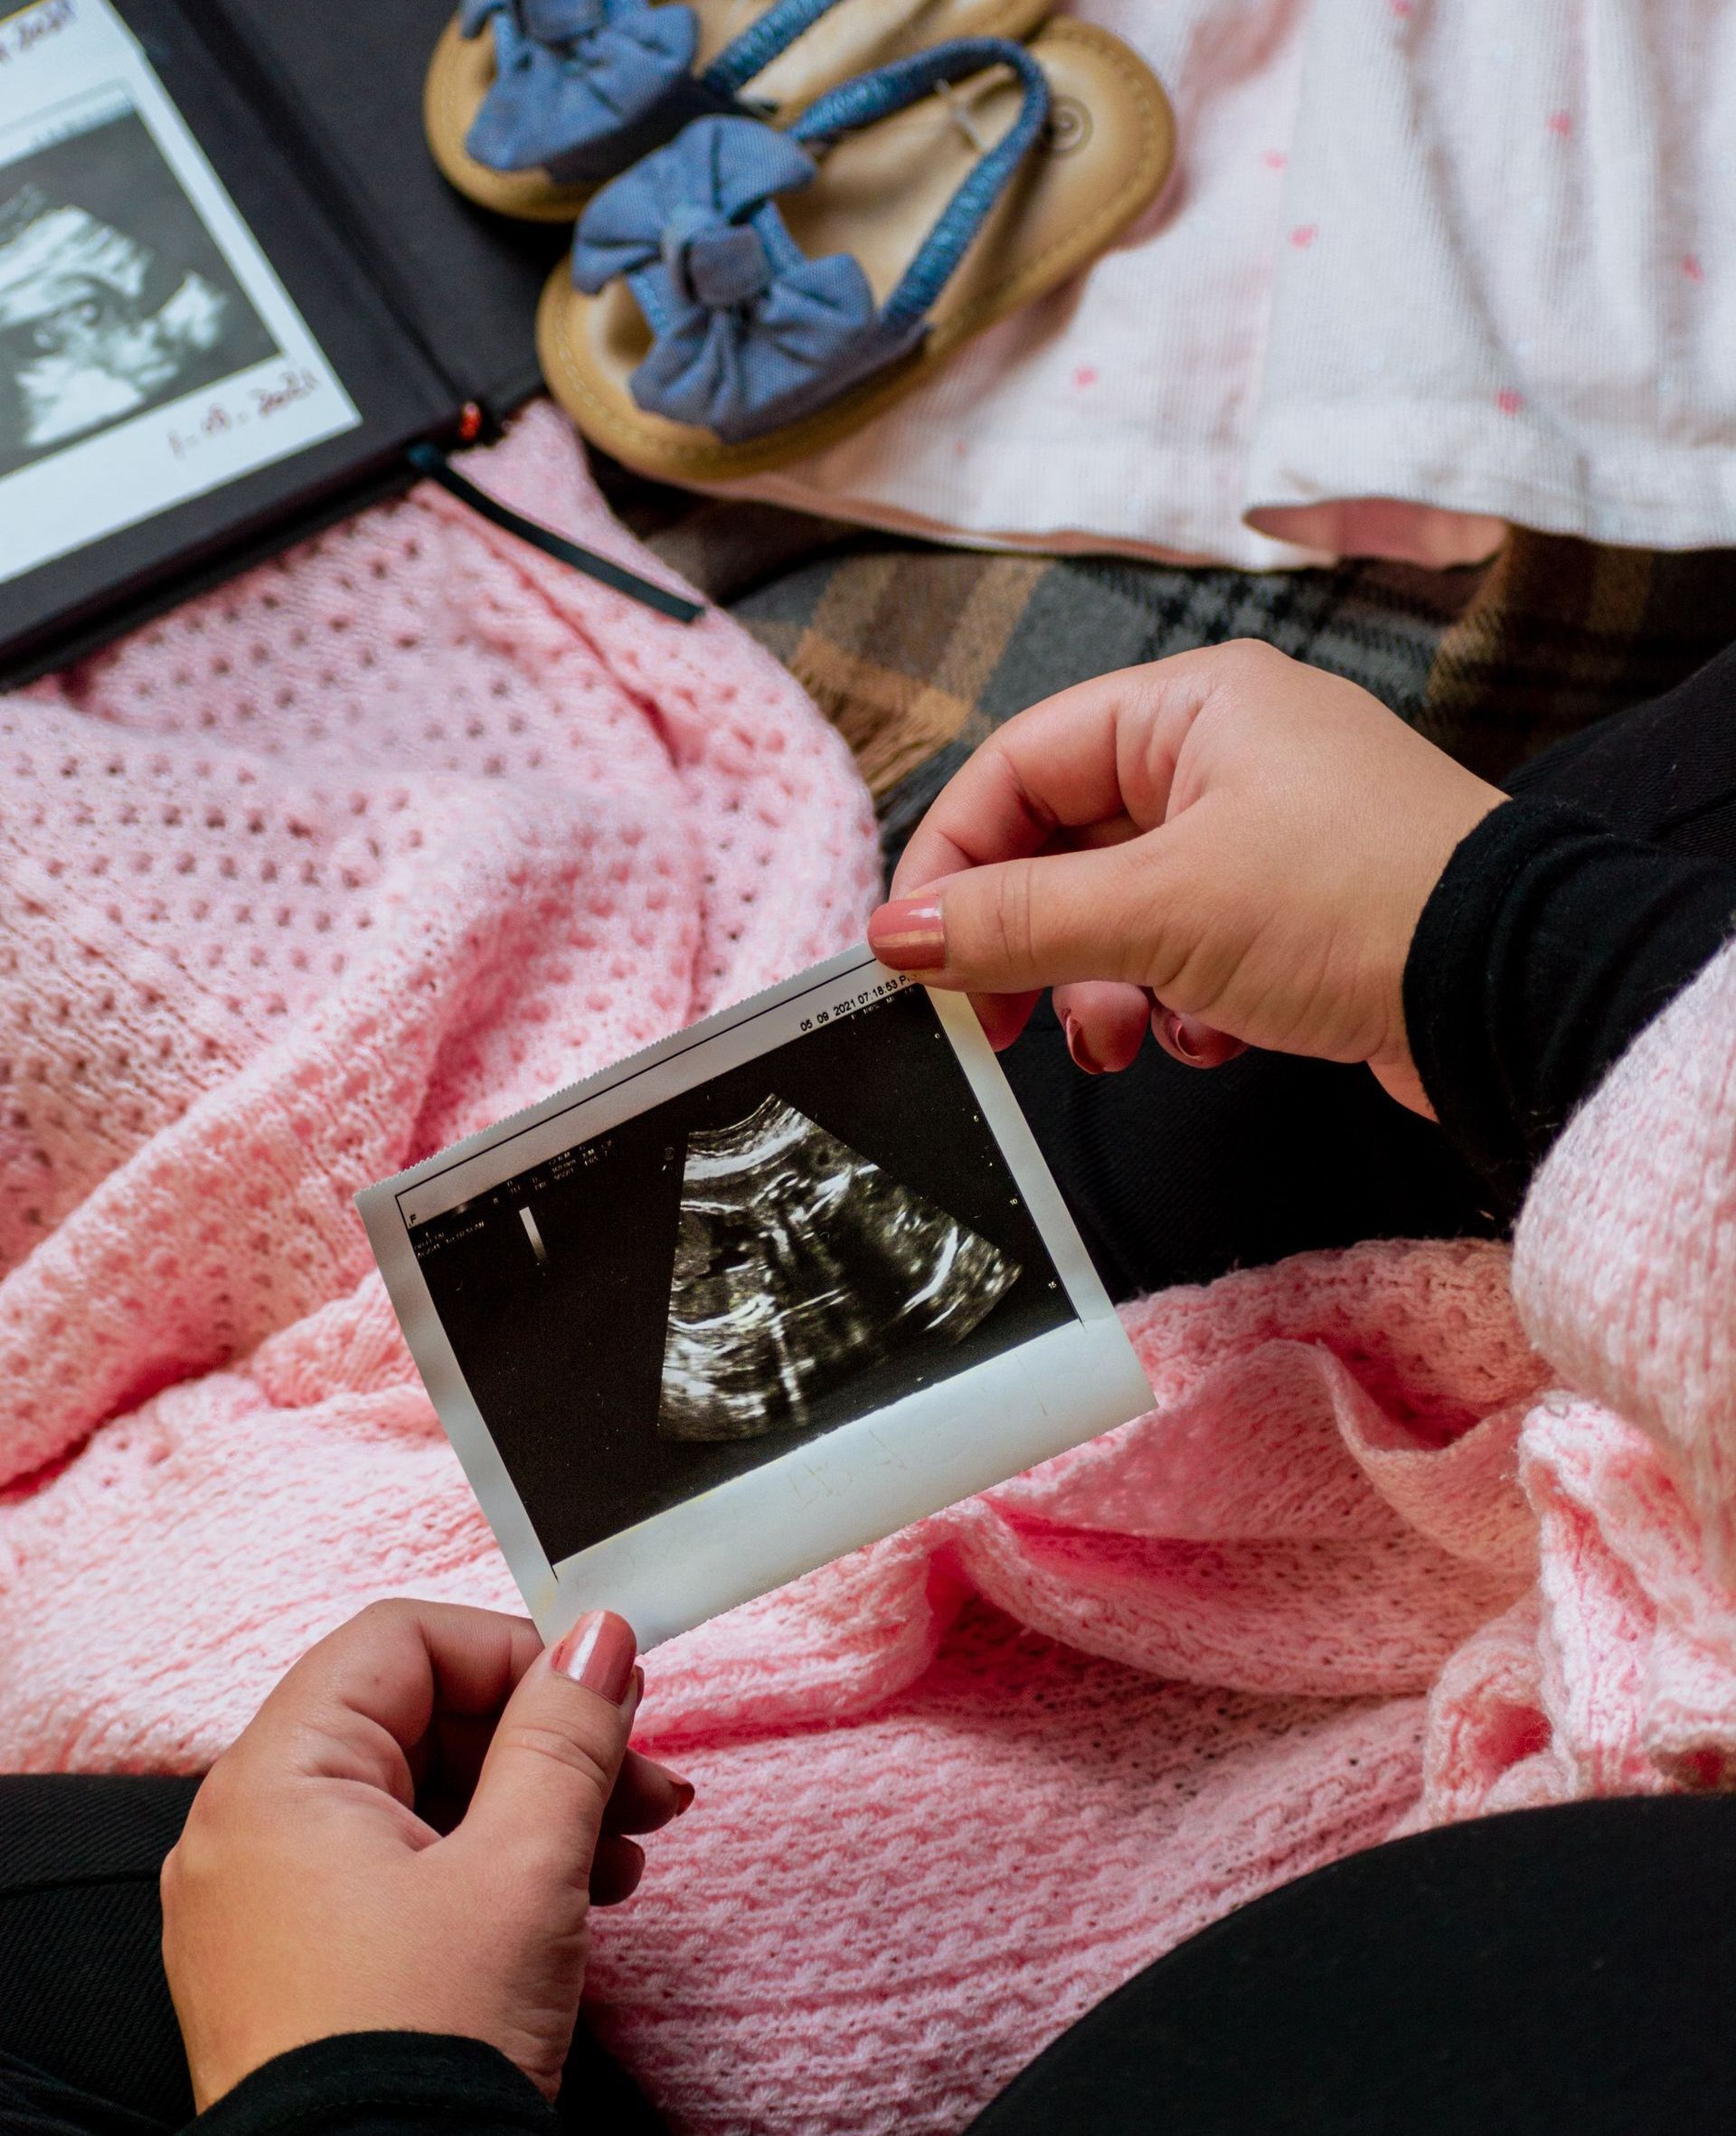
409,1836
1246,839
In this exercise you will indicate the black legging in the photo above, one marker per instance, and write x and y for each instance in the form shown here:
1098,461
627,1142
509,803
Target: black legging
88,2043
1558,1970
1555,1970
1563,1969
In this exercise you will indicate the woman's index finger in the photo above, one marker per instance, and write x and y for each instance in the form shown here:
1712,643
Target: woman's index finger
1051,767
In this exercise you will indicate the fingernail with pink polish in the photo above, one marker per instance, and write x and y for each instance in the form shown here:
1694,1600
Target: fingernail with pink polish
599,1652
685,1792
1196,1044
1181,1039
1076,1046
910,934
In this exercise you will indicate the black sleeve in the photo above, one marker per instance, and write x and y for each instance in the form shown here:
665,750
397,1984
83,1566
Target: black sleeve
1549,943
382,2083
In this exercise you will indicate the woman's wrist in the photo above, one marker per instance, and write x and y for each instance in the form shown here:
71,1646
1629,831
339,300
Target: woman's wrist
1548,944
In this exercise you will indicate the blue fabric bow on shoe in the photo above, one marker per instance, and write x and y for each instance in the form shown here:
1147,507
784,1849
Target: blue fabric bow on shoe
583,86
743,318
748,332
577,82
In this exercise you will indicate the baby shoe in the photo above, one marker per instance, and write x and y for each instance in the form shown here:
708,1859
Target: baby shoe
745,295
530,104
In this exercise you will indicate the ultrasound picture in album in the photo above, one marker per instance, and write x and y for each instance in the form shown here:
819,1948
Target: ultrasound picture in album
798,1241
114,297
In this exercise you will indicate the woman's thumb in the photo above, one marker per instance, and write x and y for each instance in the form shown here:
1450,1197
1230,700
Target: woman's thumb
1017,925
557,1750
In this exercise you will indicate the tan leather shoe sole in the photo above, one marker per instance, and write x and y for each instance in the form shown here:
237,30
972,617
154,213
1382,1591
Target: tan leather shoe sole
855,35
1103,158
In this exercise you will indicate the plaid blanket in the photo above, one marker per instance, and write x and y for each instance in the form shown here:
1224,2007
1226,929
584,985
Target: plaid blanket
917,652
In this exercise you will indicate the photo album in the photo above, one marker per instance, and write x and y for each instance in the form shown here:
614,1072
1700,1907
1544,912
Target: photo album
150,351
765,1292
235,296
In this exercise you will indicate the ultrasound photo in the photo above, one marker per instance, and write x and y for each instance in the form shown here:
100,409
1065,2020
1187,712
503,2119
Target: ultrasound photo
797,1263
795,1243
114,298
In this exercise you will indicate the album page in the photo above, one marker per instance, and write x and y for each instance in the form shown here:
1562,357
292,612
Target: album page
767,1291
149,353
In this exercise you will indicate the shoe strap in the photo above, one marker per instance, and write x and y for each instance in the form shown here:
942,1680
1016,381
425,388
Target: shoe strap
755,49
894,87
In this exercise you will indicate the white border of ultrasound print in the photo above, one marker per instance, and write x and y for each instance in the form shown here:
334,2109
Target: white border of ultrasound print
849,1486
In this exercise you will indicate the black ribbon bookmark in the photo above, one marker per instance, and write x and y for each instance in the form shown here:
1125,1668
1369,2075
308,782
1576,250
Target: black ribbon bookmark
430,460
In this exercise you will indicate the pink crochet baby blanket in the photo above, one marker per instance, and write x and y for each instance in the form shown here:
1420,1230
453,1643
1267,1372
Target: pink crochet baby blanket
385,839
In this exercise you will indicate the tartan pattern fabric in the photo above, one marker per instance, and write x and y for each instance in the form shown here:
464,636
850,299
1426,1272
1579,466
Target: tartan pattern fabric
918,652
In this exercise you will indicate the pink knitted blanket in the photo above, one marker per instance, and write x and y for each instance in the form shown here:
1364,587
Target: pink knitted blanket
343,861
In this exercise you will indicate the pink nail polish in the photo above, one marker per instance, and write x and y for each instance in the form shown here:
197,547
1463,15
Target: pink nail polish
1176,1032
684,1791
599,1652
910,934
1196,1044
1076,1046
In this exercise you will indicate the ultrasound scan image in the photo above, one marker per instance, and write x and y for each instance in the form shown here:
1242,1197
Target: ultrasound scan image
799,1264
83,345
114,297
